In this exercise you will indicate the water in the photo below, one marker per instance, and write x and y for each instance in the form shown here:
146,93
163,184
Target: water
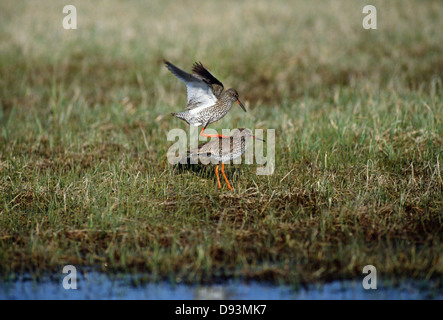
101,286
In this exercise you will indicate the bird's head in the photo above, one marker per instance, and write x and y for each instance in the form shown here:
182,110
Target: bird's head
243,132
233,96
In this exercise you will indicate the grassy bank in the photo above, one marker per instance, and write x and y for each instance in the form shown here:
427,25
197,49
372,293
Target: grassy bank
84,116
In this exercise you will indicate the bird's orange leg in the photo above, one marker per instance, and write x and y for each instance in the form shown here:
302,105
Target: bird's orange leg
211,135
218,177
223,171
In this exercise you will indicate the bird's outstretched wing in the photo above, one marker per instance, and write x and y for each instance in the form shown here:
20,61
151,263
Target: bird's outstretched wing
203,74
200,93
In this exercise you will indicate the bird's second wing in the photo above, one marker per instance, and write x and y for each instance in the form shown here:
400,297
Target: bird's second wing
199,71
204,148
199,93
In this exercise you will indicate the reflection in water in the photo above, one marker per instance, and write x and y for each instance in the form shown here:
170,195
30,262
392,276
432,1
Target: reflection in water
215,292
101,286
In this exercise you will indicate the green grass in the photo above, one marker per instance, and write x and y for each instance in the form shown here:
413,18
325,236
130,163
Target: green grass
84,116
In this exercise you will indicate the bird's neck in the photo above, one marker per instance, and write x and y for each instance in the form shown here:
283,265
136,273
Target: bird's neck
226,99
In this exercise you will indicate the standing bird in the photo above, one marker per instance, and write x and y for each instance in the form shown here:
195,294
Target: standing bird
224,150
207,102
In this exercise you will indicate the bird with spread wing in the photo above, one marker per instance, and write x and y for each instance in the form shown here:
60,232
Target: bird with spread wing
207,100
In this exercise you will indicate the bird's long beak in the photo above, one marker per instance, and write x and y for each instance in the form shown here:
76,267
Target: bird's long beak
258,138
241,105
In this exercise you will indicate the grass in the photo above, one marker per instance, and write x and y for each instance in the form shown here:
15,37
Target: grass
84,116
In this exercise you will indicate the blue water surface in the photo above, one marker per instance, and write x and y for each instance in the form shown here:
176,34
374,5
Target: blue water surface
94,285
